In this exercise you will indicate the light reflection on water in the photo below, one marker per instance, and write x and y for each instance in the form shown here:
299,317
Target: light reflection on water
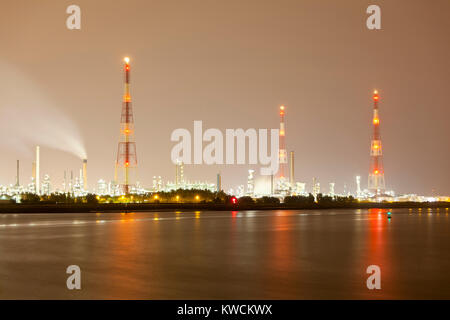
227,255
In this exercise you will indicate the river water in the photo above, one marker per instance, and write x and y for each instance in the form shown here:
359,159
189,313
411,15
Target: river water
283,254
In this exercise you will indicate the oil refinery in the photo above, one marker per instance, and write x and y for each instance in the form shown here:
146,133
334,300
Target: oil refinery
279,185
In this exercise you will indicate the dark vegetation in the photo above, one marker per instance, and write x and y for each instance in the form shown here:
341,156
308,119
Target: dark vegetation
189,200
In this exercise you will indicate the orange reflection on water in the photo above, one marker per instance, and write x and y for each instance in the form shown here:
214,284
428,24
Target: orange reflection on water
282,245
378,243
127,216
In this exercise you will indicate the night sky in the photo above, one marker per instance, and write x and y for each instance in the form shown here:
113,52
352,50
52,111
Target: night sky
230,64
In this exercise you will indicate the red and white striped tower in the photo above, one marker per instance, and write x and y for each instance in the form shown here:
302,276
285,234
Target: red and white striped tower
126,154
376,182
282,159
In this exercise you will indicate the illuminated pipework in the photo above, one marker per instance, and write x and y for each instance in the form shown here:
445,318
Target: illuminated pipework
376,182
126,155
251,183
179,174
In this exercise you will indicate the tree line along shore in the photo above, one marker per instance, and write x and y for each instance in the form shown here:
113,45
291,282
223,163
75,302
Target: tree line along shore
192,200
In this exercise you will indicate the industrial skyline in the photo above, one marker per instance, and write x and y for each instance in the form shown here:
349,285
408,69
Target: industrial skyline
237,83
278,185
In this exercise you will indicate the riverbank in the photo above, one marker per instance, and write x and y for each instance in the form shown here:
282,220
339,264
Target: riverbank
117,207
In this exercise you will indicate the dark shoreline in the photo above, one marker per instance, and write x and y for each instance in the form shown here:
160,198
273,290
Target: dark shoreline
121,207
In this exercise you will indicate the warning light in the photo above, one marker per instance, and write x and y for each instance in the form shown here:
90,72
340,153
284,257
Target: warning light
127,164
127,60
376,121
376,172
234,200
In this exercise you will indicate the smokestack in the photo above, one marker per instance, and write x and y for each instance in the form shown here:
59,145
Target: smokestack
38,186
17,176
85,174
71,181
219,183
291,169
358,186
271,184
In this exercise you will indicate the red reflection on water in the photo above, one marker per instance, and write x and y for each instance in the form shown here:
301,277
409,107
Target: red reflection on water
378,243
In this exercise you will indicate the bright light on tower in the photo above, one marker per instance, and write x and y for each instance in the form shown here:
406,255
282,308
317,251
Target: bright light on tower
127,60
376,97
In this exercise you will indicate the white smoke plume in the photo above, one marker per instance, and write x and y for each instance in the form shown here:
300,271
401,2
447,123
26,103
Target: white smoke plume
27,118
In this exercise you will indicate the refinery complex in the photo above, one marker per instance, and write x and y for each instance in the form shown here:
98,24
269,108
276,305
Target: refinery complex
125,182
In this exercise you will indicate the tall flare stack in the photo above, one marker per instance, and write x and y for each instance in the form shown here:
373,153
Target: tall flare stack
282,158
126,154
376,182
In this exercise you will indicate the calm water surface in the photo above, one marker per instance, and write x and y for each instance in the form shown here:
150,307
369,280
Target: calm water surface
227,255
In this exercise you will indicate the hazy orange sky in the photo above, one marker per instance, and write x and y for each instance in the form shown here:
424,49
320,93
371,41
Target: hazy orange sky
230,64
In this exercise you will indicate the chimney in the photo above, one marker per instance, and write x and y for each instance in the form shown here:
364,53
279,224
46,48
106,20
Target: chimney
38,186
17,176
85,174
